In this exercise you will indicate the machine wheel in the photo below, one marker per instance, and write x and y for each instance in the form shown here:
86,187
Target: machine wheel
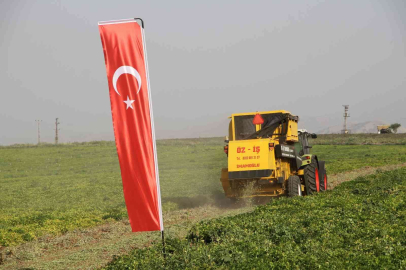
311,176
322,176
294,187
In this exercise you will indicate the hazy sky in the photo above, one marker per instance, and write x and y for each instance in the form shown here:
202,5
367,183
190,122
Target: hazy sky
207,59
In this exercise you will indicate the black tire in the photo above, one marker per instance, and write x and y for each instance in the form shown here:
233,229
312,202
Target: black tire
322,176
294,188
311,177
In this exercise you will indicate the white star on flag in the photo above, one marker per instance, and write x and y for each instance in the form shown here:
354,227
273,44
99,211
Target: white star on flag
129,103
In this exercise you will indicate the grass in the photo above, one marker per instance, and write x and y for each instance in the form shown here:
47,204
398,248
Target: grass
342,158
51,190
55,189
94,247
359,225
361,139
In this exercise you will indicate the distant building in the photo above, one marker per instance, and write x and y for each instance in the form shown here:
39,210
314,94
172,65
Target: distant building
384,129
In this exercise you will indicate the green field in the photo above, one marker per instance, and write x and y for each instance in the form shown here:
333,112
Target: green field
362,139
359,225
49,190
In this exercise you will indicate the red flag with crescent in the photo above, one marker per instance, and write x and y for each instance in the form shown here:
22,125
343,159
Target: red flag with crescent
131,108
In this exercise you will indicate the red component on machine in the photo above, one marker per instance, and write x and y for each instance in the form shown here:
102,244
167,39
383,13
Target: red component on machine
258,120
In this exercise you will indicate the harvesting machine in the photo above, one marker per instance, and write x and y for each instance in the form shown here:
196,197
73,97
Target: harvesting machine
267,152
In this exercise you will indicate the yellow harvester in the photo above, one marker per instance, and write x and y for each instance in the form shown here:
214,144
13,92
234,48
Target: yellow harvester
267,152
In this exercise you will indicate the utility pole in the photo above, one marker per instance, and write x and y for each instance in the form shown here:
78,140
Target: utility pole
39,131
56,130
346,115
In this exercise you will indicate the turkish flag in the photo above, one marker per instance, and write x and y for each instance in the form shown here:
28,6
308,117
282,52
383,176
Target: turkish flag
127,74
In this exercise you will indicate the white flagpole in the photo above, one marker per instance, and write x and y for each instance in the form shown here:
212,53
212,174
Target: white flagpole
161,224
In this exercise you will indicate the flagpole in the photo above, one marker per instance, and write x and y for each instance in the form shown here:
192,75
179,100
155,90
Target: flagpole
154,140
163,244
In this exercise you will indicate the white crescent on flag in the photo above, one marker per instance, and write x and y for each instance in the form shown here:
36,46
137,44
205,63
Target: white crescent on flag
126,70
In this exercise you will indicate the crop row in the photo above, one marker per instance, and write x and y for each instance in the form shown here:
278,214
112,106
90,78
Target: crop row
361,224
